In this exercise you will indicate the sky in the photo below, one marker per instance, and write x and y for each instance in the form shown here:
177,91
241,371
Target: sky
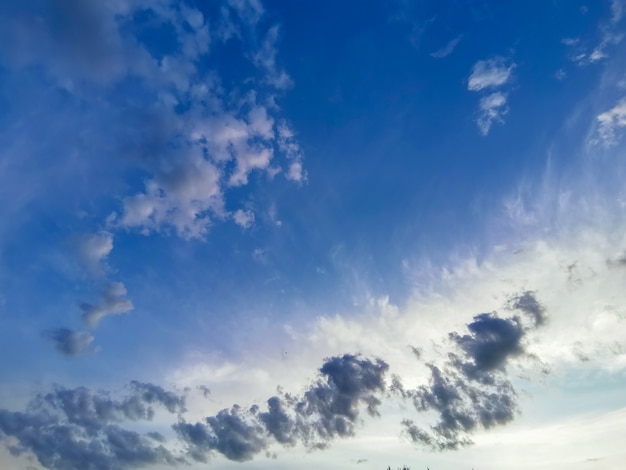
256,235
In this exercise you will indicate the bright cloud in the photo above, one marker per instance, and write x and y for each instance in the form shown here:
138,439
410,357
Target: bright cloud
489,73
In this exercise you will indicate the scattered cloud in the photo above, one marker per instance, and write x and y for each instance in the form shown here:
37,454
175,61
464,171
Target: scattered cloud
609,122
113,302
245,219
74,429
69,342
491,73
446,50
328,409
493,108
488,75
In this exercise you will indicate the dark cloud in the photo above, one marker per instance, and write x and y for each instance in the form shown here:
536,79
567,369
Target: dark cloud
472,391
76,429
328,409
491,342
528,303
69,342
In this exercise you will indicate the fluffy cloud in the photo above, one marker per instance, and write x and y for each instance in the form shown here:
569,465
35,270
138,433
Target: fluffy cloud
113,302
74,429
69,342
327,409
489,73
244,219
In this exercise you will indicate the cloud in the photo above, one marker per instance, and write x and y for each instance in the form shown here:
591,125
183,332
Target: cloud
69,342
74,429
93,250
527,303
610,121
288,144
446,50
265,59
472,391
328,409
245,219
493,108
113,302
489,73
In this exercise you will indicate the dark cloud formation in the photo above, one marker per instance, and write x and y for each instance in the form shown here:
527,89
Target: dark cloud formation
472,391
328,409
528,303
78,429
69,342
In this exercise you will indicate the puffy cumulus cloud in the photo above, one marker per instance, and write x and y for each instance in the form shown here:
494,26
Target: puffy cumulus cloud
113,302
328,409
69,342
610,122
195,136
492,108
471,391
490,73
245,219
74,429
181,197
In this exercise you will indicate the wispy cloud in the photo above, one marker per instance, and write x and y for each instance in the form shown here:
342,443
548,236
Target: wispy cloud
610,122
446,50
493,108
489,73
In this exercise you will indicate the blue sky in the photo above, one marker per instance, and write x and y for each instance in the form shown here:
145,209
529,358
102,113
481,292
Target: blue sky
325,234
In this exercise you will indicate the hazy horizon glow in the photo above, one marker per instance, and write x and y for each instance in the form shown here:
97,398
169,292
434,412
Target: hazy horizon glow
277,234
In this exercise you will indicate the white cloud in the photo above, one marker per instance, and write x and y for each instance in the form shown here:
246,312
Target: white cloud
113,302
489,73
244,219
183,197
446,50
493,108
93,250
610,121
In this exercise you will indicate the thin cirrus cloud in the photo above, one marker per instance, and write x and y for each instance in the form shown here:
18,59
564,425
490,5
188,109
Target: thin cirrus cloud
448,49
491,74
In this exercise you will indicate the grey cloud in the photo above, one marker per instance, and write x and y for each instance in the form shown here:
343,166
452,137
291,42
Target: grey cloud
328,409
69,342
528,303
491,342
113,302
77,429
472,391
